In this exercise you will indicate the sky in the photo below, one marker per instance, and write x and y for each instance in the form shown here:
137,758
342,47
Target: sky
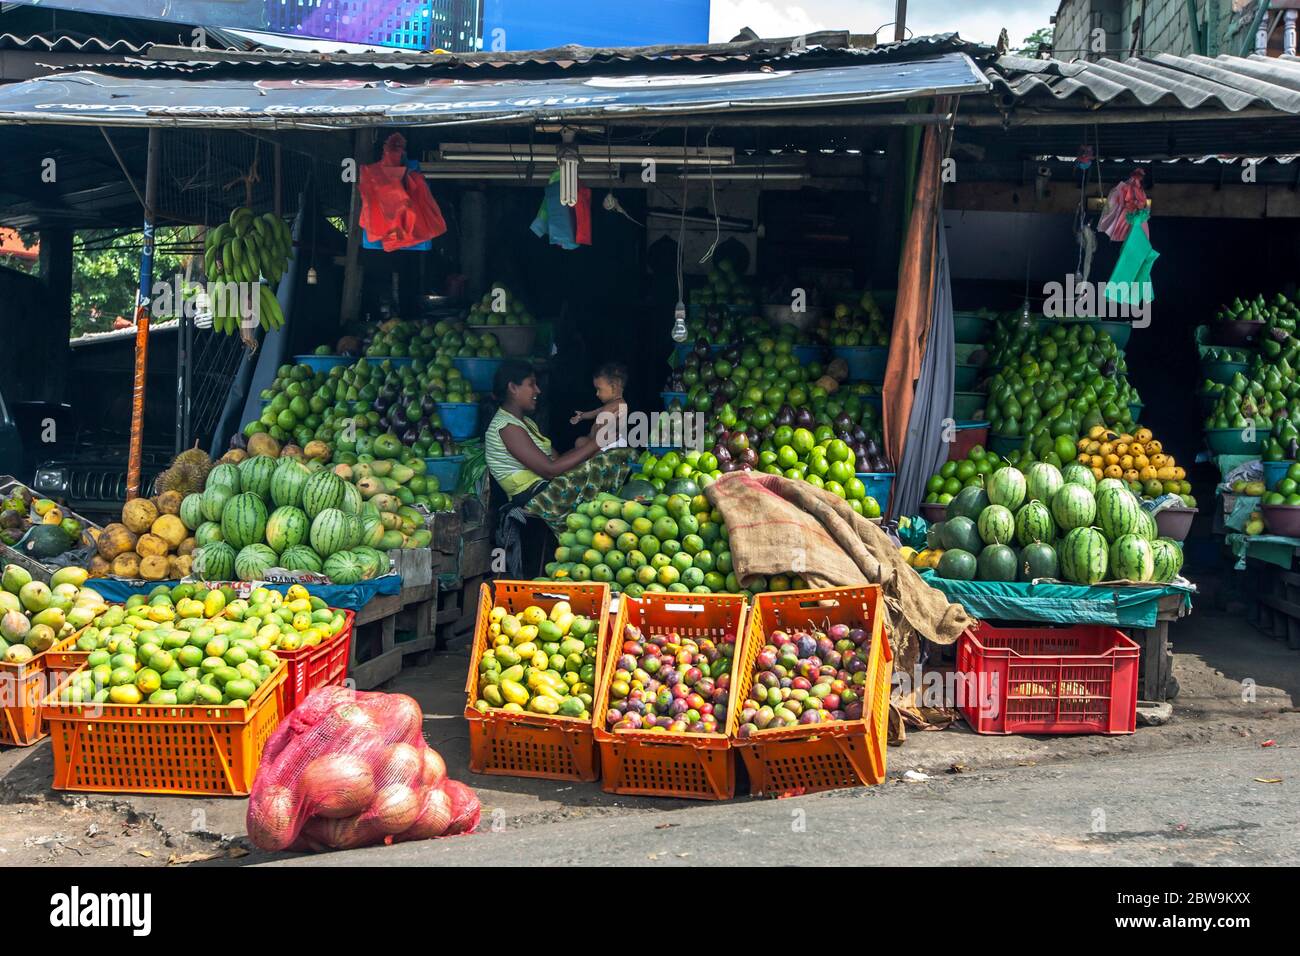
974,19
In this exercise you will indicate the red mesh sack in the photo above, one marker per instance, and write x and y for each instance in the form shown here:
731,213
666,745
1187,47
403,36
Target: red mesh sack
397,209
346,770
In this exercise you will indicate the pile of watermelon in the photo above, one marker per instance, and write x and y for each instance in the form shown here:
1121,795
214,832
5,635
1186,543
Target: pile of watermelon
1051,523
278,513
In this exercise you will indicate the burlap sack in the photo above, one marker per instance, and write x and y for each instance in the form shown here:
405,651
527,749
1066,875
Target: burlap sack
779,526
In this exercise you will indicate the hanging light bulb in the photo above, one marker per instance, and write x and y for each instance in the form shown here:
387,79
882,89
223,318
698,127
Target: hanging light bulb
567,156
679,322
311,276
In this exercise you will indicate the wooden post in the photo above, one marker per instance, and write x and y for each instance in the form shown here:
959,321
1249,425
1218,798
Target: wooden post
142,304
352,271
55,327
900,21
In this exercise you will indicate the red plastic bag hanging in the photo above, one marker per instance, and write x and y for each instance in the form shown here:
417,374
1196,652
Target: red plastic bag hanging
397,209
1126,198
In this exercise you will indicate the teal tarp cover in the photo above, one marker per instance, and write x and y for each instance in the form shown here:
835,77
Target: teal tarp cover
351,597
1273,548
1119,605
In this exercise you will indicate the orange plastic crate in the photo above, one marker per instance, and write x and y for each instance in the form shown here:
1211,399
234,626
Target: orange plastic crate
325,665
21,688
533,745
694,766
154,748
64,655
842,753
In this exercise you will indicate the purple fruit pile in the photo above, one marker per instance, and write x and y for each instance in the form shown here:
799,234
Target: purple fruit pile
808,677
670,684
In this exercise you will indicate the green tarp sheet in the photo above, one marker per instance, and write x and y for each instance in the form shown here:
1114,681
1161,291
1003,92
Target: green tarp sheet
1273,548
1119,605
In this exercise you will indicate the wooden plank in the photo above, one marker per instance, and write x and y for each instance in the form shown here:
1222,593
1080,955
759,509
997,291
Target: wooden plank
1286,608
377,670
380,606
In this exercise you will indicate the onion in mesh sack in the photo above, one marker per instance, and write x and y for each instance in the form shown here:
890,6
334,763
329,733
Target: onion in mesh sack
345,833
435,817
395,808
337,785
399,717
272,818
434,768
400,763
465,808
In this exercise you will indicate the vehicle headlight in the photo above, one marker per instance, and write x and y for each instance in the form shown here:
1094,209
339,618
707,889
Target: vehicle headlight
51,481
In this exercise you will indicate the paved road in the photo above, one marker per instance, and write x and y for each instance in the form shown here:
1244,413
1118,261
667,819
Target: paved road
1198,806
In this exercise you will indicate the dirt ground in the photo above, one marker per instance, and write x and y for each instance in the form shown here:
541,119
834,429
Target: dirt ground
1237,686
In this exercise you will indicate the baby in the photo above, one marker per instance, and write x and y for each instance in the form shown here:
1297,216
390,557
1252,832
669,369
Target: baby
609,381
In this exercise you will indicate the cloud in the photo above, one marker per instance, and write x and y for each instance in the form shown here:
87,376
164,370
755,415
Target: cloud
976,20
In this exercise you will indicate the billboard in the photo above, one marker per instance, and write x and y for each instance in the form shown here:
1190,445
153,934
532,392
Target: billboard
542,24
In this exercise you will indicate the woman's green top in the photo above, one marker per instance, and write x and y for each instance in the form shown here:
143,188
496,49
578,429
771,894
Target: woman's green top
512,476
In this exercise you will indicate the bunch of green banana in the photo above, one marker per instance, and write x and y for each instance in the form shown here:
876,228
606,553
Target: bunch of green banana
226,311
245,249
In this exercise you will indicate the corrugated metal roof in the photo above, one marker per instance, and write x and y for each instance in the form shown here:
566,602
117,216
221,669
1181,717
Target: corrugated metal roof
70,44
828,45
1229,83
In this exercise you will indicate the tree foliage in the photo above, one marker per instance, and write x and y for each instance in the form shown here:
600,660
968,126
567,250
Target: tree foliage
1040,37
106,275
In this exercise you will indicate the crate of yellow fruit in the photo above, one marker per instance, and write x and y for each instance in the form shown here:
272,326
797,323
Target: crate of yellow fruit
535,663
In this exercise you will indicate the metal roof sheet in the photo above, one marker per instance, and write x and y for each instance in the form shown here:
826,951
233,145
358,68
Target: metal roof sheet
70,44
1229,83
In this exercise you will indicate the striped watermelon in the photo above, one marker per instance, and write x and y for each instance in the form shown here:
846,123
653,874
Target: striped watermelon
252,562
1034,524
356,530
1146,525
344,567
1111,483
1131,559
996,524
372,530
207,533
286,527
287,482
299,557
1043,481
243,520
1083,556
997,562
255,475
352,500
376,562
214,562
321,492
1077,474
1038,561
1073,506
329,532
1167,559
1118,513
224,474
192,511
214,501
1007,488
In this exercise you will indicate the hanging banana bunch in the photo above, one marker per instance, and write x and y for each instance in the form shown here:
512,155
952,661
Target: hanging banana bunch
247,249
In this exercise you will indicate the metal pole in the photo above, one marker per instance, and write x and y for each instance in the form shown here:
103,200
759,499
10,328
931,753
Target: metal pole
143,302
900,21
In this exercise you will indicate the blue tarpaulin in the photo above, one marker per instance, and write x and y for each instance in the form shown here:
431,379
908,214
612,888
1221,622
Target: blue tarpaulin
352,597
87,98
1119,605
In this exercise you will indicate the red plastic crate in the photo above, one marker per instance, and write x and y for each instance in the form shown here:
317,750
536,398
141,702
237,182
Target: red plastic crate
1045,680
325,665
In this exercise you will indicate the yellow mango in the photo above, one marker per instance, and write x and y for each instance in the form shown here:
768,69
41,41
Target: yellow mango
544,705
533,615
496,614
510,625
513,692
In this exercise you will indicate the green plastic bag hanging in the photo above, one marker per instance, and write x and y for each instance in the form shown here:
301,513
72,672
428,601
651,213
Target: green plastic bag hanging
1130,283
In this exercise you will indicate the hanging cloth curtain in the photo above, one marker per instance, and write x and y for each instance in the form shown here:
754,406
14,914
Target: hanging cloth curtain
915,303
564,227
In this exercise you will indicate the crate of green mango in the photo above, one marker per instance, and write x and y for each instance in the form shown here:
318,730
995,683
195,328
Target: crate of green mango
535,663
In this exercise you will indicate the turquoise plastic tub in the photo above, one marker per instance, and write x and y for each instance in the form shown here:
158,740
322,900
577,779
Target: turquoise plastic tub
1275,471
323,363
879,485
1005,444
965,405
970,328
479,372
965,377
1119,332
1222,372
446,469
396,361
1228,441
866,362
807,354
670,397
459,418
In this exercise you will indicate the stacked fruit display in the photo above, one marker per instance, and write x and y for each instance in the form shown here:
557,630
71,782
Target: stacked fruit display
1061,383
539,663
1065,523
1279,313
667,683
351,407
403,338
267,512
286,622
34,616
151,651
150,542
807,677
1138,459
247,249
49,530
859,324
724,285
499,306
1263,399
